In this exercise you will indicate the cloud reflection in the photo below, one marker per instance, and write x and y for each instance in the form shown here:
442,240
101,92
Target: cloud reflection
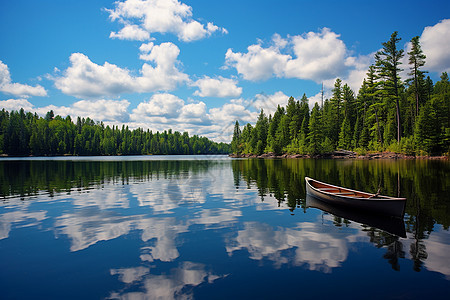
17,217
437,246
178,284
321,248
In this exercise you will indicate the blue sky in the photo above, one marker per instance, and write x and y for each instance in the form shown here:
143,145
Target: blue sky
197,66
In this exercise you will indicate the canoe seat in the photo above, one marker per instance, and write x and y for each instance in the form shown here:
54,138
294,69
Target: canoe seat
326,189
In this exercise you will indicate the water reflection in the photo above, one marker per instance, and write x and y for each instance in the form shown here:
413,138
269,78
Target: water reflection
424,183
172,228
391,225
178,284
321,248
19,218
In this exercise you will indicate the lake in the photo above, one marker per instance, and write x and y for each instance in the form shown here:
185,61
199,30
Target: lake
212,227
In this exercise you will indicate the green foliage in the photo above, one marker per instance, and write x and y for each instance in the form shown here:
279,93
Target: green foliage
236,141
428,130
418,84
345,135
315,131
388,60
27,134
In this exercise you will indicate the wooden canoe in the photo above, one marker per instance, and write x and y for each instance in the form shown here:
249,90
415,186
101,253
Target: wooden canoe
373,203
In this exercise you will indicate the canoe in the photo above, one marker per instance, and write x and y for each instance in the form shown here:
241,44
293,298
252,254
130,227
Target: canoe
372,203
389,224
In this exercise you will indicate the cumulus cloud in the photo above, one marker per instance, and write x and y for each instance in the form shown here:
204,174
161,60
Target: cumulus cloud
16,104
163,111
217,87
131,32
160,105
435,40
161,16
17,89
235,110
86,79
258,63
195,113
317,56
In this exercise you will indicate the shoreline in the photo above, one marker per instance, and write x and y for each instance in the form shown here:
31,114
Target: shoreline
342,154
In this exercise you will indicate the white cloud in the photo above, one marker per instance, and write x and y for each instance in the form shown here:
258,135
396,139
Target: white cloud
434,41
16,104
230,112
217,87
162,16
131,32
86,79
258,63
195,113
98,110
318,56
17,89
160,105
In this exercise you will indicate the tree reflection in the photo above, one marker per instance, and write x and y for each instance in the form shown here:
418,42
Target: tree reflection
393,253
27,178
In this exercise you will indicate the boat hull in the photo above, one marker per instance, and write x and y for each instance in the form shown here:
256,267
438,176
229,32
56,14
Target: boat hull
376,204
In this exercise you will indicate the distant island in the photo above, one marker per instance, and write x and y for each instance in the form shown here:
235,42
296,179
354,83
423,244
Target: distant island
411,118
24,134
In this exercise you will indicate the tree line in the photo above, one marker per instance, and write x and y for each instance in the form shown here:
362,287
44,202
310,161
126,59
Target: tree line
24,133
411,117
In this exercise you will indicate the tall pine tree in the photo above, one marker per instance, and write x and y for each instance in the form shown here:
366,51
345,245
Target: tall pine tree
388,64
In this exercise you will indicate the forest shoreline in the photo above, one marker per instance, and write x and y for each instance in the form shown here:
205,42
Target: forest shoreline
338,154
342,154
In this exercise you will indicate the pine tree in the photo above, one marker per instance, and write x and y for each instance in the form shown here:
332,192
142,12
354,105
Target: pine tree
261,130
416,60
336,108
235,142
345,135
388,62
349,105
372,92
272,141
428,130
315,136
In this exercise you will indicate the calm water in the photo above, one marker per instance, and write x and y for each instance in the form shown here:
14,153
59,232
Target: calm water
218,228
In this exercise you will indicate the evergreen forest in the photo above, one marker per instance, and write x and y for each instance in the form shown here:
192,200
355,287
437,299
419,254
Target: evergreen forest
388,114
23,134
